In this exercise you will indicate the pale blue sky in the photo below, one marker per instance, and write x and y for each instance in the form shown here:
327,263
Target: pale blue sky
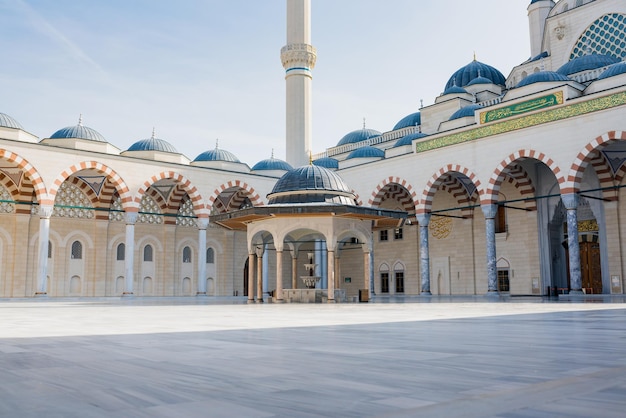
198,70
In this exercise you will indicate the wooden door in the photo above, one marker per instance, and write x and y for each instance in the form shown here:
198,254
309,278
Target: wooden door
590,267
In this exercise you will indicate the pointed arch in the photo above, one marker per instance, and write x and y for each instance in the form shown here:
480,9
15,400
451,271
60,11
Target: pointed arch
397,189
31,173
182,181
236,187
437,180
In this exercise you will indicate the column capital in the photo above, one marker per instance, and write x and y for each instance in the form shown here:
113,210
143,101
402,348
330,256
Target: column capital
202,223
45,211
489,210
570,200
423,219
131,217
258,250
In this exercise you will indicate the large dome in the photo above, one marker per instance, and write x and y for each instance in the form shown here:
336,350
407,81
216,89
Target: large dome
411,120
311,184
217,155
586,63
465,75
153,144
7,121
272,164
78,132
358,136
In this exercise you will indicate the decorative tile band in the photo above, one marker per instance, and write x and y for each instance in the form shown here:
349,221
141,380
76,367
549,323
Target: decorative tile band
565,112
523,107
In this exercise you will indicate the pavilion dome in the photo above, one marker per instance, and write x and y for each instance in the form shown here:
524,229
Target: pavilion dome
358,136
7,121
153,144
586,63
613,70
272,164
327,162
408,139
465,111
542,77
463,76
311,184
217,155
78,132
366,152
411,120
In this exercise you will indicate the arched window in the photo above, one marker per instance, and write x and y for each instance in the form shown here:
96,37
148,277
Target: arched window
398,272
186,255
147,253
77,250
121,252
49,249
384,278
210,256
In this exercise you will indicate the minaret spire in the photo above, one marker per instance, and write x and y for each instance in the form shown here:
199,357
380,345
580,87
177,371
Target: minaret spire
298,58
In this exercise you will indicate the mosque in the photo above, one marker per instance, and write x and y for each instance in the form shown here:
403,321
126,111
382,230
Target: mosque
506,185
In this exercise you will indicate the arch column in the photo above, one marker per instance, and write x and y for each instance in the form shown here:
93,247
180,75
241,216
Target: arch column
294,269
570,201
251,259
131,219
423,220
279,274
490,212
203,224
259,274
366,271
330,259
45,212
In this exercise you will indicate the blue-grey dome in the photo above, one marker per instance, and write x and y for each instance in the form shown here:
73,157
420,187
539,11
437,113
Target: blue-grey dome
465,75
613,70
408,139
542,77
217,155
326,162
366,152
411,120
7,121
454,90
80,132
544,54
465,111
311,184
480,80
272,164
586,63
153,144
358,136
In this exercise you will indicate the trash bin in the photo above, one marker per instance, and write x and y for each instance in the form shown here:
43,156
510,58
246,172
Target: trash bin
364,295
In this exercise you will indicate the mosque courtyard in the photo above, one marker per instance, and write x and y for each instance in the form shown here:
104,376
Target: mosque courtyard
197,357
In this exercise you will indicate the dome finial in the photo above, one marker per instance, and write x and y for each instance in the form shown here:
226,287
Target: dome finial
80,119
421,103
217,141
153,133
310,158
474,55
272,157
363,123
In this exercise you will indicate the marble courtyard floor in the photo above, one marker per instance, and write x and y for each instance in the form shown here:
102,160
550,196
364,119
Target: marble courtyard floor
201,357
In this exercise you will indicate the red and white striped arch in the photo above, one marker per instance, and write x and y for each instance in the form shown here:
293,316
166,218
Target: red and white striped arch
31,173
235,184
437,181
585,157
182,181
397,189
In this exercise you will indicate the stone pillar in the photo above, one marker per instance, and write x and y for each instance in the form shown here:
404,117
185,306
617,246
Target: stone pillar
570,201
203,224
251,258
490,212
279,275
294,269
423,221
330,268
366,271
45,212
259,274
337,271
130,218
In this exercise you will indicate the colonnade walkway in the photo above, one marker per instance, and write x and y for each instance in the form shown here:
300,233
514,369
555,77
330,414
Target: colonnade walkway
204,357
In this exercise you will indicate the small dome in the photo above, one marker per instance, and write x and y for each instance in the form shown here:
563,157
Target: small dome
454,90
366,152
217,155
542,77
586,62
465,111
358,136
474,69
7,121
408,139
480,80
326,162
153,144
544,54
311,184
272,164
79,131
413,119
613,70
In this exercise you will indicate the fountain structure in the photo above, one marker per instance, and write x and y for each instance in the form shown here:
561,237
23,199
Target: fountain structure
311,294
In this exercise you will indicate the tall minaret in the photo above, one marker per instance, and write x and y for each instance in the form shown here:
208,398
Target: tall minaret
298,58
538,12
